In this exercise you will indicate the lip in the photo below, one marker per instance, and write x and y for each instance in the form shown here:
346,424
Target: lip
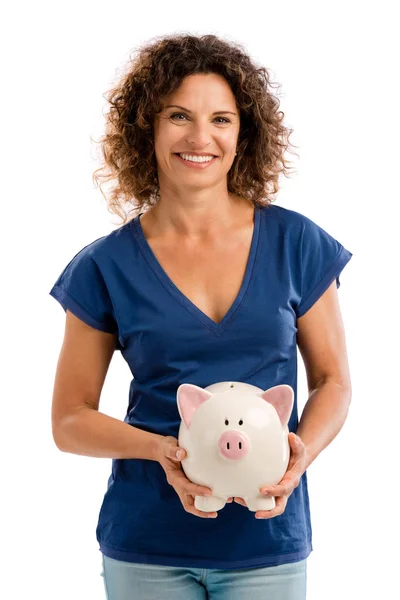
193,165
196,153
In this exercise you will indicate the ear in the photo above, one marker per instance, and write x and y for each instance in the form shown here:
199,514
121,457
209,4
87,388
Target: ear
281,397
189,398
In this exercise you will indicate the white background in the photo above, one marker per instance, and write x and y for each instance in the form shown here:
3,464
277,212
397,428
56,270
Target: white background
339,76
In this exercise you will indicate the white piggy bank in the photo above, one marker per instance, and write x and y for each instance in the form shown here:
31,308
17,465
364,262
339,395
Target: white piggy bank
236,439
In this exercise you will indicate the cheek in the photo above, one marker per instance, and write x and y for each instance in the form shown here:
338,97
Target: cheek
230,138
230,150
165,133
169,143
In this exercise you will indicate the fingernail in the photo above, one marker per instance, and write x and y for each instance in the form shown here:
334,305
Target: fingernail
265,492
179,454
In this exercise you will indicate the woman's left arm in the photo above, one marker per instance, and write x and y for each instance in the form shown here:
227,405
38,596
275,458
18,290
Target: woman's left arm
322,345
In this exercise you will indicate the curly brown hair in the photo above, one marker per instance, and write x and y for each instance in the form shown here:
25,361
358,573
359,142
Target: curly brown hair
158,70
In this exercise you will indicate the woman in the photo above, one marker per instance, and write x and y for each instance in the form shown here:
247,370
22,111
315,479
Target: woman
211,283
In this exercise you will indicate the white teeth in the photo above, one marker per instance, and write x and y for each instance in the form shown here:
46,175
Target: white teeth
196,158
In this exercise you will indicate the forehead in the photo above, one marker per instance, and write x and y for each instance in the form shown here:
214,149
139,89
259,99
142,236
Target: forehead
204,89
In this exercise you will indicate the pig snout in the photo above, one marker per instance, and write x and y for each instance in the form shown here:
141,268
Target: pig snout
234,445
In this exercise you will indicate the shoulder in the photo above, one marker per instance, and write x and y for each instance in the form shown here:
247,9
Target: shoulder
285,214
288,219
105,246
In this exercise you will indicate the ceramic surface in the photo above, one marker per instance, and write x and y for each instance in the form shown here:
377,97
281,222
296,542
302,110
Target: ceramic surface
236,439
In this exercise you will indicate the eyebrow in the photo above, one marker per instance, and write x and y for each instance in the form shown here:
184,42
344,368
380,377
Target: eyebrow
218,112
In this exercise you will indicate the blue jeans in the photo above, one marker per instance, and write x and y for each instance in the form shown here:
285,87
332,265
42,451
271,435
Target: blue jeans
136,581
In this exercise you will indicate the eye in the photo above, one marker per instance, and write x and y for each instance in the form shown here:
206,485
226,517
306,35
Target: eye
177,115
241,422
224,120
226,422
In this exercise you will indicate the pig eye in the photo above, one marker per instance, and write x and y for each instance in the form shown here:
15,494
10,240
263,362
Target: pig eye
241,422
226,422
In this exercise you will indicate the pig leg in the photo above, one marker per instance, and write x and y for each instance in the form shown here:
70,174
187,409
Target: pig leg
209,503
260,502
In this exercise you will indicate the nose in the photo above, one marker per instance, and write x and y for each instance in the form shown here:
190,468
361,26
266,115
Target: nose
234,445
199,136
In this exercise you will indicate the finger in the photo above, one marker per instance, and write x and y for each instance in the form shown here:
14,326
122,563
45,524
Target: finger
296,438
189,488
188,505
240,501
177,454
298,458
284,488
280,506
296,444
290,480
177,478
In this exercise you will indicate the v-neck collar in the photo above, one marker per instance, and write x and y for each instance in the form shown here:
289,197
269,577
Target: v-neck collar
176,292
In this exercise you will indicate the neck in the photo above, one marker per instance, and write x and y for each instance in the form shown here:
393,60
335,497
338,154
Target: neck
197,220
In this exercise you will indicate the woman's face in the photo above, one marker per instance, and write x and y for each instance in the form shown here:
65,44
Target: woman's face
207,122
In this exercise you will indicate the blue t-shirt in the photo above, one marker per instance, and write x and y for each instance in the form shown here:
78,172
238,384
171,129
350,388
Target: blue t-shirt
117,285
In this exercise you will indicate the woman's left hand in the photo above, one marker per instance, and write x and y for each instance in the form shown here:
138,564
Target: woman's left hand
291,479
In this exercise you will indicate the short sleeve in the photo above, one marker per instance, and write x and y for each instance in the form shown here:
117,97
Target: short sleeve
322,260
81,289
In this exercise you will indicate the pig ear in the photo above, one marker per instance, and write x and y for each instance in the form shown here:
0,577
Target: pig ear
281,397
189,398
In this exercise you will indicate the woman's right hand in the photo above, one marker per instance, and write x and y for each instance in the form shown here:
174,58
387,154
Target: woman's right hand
186,489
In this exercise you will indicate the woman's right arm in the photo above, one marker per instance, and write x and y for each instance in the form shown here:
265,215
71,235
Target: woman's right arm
77,425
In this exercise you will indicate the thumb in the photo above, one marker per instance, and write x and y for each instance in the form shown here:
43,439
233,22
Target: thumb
296,442
172,449
178,453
